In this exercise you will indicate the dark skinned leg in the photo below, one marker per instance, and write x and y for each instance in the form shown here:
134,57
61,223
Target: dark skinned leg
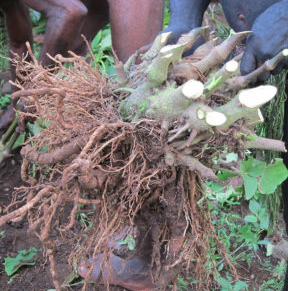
19,28
97,18
134,24
65,21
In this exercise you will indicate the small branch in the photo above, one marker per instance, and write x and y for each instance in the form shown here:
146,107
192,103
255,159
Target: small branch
257,142
241,82
195,165
216,56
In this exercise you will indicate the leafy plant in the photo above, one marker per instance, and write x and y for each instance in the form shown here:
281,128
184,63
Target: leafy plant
269,176
102,51
227,286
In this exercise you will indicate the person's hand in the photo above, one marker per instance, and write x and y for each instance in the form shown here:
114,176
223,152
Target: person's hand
269,36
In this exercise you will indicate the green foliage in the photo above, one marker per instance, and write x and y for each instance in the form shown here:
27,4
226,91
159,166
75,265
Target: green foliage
273,176
19,141
24,258
4,101
166,17
227,286
130,241
223,30
182,284
83,217
269,176
4,62
102,50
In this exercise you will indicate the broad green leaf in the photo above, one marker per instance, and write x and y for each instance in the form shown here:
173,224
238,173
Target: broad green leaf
273,176
250,218
252,167
254,206
23,258
250,186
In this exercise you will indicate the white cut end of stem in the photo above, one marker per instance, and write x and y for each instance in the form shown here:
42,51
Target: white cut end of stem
231,66
192,89
215,118
285,52
256,97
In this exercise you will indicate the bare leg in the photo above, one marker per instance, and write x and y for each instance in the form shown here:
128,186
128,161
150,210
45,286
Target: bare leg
65,21
97,18
19,28
134,23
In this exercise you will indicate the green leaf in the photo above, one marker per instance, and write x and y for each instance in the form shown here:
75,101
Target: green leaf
226,285
19,141
250,218
34,128
106,43
264,222
252,167
269,249
240,286
131,243
254,206
23,258
273,176
5,100
231,157
215,187
225,175
250,186
96,40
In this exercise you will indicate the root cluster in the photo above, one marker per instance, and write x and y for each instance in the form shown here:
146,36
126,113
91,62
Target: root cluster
108,164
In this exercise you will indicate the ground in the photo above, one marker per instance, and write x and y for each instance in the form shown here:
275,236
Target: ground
38,278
